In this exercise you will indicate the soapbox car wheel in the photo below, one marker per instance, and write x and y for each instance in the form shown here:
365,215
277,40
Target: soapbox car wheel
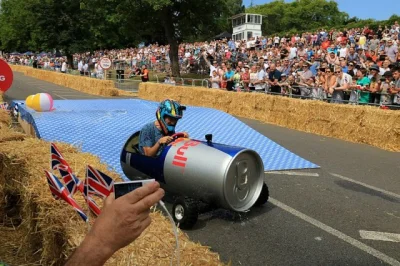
185,212
264,195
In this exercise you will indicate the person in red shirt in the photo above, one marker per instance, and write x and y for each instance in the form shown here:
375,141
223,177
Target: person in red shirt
145,74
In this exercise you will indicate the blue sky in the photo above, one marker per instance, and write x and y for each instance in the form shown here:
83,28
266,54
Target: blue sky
376,9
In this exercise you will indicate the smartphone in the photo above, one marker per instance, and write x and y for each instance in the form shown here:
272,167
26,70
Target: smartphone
122,188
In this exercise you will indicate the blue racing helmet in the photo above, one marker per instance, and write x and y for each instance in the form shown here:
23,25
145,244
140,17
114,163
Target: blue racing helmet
172,109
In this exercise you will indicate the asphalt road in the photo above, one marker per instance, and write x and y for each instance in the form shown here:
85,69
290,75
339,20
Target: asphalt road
314,217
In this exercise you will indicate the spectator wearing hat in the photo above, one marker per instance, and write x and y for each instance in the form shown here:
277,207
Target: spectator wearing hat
375,83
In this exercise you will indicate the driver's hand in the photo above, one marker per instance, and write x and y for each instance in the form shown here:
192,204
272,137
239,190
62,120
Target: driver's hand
185,135
165,140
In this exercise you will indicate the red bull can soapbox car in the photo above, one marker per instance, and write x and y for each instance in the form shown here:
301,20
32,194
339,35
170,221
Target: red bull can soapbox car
200,172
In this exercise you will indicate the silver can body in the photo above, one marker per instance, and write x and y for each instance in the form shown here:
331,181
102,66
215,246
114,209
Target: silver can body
226,176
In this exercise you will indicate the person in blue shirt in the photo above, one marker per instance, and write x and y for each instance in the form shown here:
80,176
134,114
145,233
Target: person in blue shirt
229,77
310,53
158,133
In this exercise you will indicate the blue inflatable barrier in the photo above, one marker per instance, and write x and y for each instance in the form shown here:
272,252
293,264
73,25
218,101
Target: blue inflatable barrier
101,127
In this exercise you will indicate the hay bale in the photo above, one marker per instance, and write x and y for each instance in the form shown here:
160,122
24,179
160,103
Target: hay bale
18,68
80,83
50,230
361,124
12,250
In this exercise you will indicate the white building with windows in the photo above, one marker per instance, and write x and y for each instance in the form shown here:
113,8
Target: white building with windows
246,26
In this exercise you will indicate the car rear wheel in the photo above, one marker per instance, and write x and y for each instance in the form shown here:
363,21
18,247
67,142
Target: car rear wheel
264,195
185,212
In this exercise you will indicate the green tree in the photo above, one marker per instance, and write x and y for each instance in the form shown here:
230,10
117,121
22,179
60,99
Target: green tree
301,15
62,25
176,20
16,25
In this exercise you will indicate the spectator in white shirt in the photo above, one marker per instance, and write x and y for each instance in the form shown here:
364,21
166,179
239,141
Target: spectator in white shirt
64,67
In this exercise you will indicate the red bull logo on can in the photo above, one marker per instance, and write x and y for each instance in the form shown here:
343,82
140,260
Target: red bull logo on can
180,158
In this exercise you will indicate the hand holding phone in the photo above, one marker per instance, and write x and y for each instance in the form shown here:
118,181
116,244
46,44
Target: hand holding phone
122,188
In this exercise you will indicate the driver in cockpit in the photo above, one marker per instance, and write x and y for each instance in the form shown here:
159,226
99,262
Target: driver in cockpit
155,134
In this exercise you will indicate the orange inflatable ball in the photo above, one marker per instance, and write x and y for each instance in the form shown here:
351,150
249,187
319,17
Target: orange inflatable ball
42,102
29,100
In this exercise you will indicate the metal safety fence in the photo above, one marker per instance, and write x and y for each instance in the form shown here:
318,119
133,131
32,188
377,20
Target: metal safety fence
130,82
351,97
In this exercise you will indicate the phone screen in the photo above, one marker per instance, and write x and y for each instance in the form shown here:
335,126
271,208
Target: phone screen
122,188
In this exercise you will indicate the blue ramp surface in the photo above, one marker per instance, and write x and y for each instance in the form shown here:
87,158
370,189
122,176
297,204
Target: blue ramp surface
101,127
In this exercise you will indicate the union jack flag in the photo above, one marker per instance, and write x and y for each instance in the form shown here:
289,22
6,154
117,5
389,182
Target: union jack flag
59,192
58,162
90,201
4,106
99,183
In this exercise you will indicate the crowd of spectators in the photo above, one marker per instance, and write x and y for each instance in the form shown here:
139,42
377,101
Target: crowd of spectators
358,66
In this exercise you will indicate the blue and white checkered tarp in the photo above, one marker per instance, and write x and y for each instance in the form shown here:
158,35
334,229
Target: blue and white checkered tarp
102,127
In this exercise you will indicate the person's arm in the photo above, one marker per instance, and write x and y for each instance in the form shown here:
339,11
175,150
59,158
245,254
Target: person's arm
121,221
376,86
344,87
332,84
206,60
152,151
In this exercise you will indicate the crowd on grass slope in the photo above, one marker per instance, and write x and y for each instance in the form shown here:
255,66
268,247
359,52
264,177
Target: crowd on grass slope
355,66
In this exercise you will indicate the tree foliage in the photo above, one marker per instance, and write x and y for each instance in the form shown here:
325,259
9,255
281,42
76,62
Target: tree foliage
85,25
301,15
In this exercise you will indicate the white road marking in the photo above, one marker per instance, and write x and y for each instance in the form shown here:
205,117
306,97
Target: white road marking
291,173
368,186
76,95
52,93
374,235
355,243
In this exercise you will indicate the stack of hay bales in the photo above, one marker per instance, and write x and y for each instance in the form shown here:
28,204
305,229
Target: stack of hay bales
361,124
35,228
80,83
